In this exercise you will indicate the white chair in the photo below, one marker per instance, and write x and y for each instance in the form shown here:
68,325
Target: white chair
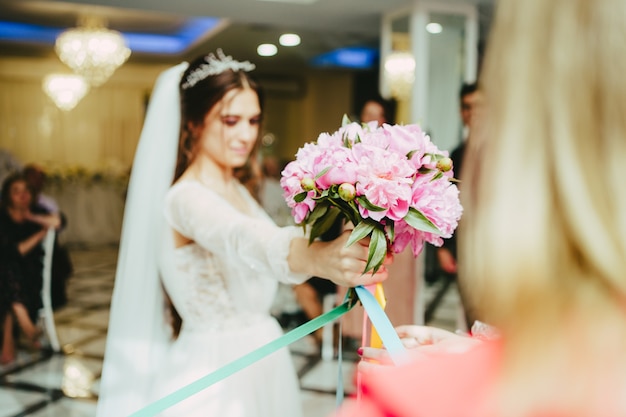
46,314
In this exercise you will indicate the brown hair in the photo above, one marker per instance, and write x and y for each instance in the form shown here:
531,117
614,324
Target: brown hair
196,102
5,197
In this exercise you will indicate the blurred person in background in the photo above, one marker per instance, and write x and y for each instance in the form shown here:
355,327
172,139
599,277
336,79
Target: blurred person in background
469,98
23,227
374,109
36,179
62,267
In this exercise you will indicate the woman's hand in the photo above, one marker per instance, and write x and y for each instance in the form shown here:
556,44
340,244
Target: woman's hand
333,260
345,265
433,339
421,342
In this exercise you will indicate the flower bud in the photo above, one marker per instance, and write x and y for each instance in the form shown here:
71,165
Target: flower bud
347,192
307,184
444,164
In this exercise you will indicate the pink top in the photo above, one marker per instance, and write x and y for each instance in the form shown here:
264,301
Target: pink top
462,385
446,385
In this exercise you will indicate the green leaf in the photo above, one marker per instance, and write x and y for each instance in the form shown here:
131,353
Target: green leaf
333,191
418,221
377,251
323,224
353,213
365,203
410,154
349,209
437,176
322,172
319,210
435,156
324,194
363,229
345,120
299,198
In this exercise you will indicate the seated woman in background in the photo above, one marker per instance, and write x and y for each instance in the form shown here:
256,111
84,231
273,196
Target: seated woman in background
544,236
22,229
62,267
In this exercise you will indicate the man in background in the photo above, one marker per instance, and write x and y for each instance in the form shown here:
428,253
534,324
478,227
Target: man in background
447,254
36,179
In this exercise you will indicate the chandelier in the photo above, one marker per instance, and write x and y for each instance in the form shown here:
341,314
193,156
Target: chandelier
400,74
66,90
92,50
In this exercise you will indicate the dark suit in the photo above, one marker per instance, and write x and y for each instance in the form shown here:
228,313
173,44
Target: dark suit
457,161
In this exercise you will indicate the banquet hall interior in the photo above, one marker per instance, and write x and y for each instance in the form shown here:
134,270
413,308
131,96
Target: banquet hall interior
80,120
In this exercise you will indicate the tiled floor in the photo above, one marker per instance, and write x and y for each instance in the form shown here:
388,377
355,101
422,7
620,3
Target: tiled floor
66,384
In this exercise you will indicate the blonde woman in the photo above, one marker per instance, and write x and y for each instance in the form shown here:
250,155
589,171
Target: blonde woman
544,241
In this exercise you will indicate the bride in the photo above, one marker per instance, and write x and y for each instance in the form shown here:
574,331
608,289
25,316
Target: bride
196,241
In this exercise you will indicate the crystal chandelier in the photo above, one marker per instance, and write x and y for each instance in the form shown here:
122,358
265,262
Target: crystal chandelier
400,74
66,90
92,50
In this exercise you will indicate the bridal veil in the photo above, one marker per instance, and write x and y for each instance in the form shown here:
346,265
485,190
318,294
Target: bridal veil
138,333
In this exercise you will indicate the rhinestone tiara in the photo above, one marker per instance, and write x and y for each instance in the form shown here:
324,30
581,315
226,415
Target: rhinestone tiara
216,65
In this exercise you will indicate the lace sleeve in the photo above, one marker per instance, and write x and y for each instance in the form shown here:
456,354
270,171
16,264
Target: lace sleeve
205,217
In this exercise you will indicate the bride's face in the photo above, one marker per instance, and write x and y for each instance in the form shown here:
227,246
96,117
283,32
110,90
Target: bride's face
231,129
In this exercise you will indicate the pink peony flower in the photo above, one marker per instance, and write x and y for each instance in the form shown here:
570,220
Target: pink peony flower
391,175
341,167
439,201
384,178
407,139
353,131
406,235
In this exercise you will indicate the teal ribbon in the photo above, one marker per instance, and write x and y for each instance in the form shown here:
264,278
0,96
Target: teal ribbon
383,326
375,312
244,361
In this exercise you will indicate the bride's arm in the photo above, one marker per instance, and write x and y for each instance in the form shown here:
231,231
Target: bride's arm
284,252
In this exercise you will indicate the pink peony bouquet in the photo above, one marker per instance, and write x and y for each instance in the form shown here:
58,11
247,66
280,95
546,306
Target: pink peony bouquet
391,182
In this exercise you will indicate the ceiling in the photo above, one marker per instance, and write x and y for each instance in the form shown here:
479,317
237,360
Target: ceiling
323,25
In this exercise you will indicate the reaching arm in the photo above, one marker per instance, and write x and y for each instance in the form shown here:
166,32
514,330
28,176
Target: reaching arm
28,244
46,220
207,219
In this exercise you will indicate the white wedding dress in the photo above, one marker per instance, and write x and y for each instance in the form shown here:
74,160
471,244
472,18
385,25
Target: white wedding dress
223,285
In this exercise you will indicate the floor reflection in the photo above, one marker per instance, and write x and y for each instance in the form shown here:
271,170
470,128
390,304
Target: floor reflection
66,384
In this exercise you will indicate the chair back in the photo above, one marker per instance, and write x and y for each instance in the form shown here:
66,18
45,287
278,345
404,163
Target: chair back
46,312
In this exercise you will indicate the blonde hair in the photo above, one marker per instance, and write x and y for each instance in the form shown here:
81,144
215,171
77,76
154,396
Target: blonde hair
543,243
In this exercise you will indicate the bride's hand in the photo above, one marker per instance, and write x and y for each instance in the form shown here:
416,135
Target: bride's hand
345,265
